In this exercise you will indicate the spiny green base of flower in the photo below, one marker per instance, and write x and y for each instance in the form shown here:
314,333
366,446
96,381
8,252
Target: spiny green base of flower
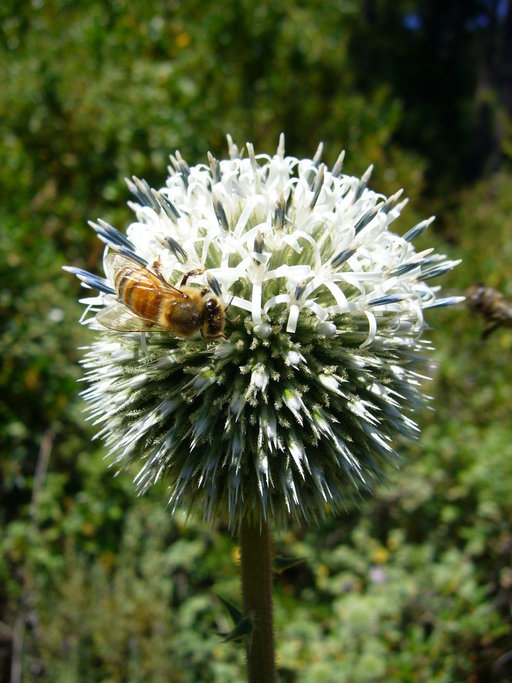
265,424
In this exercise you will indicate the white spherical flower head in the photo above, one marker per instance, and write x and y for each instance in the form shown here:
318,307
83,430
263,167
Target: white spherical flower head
287,402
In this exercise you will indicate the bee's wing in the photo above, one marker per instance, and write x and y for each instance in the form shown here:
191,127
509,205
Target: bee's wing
113,261
119,318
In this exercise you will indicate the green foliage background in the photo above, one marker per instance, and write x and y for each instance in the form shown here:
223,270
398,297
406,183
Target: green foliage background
416,584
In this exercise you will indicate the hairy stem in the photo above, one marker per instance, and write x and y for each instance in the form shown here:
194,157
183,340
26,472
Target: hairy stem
256,573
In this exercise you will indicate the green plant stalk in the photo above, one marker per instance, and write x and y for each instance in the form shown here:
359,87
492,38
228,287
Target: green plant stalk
256,572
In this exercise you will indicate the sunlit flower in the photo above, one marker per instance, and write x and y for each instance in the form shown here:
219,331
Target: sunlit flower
295,410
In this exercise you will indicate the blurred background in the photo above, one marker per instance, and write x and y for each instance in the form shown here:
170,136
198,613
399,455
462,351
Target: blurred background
99,586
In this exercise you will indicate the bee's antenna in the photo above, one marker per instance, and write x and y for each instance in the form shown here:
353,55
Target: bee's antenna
230,302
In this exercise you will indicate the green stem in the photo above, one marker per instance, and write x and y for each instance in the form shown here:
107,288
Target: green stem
256,573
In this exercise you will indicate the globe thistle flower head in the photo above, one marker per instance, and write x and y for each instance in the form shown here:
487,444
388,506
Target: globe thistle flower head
294,407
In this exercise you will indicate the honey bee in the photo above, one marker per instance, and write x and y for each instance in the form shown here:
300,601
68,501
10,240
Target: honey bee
490,305
147,302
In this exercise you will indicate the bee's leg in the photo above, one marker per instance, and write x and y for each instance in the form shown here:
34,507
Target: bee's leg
184,279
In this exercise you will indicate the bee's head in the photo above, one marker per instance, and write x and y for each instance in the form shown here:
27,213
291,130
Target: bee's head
214,318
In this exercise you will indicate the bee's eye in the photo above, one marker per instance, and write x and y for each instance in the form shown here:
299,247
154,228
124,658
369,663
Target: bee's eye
211,305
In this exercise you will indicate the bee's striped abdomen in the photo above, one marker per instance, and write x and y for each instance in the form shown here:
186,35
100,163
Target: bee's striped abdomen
141,295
